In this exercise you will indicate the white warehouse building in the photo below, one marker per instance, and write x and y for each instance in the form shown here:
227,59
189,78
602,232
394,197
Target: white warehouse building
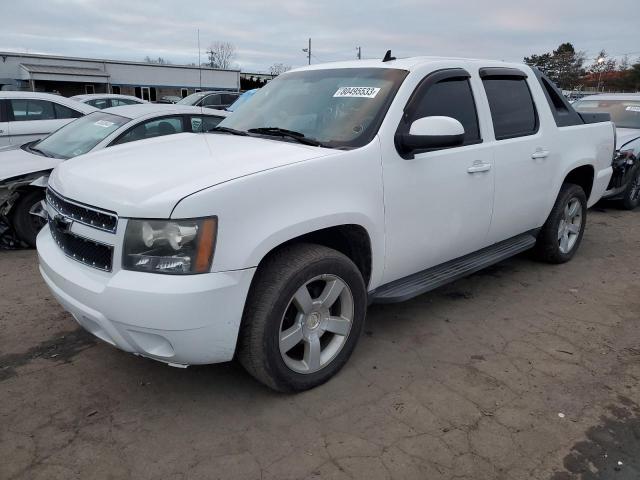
73,76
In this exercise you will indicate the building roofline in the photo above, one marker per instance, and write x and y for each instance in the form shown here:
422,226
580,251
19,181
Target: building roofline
103,60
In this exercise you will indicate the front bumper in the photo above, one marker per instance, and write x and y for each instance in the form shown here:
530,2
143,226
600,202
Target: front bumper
182,320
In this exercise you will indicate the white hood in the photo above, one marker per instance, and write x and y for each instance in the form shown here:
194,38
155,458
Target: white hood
15,162
625,135
148,178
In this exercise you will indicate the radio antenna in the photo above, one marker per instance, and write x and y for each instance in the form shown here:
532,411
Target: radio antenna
199,64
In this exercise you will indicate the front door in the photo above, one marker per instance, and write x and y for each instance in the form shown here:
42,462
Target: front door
438,204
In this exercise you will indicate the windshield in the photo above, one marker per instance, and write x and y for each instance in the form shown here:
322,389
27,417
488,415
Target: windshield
80,136
241,100
191,99
624,113
341,108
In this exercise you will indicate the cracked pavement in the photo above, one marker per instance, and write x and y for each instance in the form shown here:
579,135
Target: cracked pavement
522,371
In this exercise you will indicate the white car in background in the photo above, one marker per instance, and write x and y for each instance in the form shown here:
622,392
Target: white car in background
108,100
624,109
28,116
24,170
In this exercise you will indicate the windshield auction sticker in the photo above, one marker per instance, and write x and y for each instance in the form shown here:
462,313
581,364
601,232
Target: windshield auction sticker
103,123
357,92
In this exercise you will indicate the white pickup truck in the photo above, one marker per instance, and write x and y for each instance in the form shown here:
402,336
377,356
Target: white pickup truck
336,186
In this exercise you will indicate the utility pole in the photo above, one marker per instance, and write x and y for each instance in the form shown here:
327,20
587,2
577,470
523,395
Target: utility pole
359,52
308,50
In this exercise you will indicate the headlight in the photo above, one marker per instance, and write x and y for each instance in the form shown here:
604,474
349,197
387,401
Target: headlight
170,246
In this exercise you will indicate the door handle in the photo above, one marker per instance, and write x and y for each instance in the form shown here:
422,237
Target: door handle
479,166
540,153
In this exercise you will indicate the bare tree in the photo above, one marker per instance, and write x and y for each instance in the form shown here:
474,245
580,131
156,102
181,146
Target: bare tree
159,60
221,54
278,68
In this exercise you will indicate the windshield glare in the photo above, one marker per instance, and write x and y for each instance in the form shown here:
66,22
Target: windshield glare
241,100
191,99
624,113
341,108
81,135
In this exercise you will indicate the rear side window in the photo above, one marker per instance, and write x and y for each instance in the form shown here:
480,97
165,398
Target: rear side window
4,117
204,123
512,108
563,113
451,98
99,103
229,98
65,112
152,128
117,102
28,109
211,100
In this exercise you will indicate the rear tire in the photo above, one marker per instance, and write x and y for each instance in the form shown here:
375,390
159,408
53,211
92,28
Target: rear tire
303,317
631,198
562,233
25,224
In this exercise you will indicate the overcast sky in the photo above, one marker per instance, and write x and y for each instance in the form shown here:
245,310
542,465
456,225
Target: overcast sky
268,31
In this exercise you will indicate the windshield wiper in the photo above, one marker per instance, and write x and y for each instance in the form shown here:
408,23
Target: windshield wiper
283,132
40,152
232,131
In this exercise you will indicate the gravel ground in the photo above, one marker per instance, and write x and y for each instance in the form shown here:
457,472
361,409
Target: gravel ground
523,371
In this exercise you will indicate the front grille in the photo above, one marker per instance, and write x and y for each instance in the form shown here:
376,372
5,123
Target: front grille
91,216
91,253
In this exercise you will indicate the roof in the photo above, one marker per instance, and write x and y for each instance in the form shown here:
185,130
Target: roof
104,60
93,96
143,109
82,107
408,63
62,70
613,96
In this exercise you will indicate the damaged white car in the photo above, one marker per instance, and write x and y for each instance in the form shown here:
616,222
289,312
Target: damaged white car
24,170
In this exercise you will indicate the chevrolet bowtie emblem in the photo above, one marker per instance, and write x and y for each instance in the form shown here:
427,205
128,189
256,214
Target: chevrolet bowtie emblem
62,223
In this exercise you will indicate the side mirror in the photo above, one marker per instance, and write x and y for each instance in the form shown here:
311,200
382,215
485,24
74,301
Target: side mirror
431,132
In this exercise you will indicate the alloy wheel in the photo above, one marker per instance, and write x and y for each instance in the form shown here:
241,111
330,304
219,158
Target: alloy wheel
316,324
570,225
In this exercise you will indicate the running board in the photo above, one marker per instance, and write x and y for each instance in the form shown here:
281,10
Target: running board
422,282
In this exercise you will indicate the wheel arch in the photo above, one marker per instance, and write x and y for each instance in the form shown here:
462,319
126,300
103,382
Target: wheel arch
583,176
351,239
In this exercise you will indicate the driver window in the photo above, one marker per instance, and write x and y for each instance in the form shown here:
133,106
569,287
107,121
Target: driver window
451,98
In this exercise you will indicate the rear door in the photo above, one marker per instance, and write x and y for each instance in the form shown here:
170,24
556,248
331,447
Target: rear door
4,124
30,119
523,154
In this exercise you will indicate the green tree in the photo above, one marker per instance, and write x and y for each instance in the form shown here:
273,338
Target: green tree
564,65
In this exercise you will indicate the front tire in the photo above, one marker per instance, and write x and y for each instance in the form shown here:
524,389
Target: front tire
26,216
561,234
304,314
631,198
